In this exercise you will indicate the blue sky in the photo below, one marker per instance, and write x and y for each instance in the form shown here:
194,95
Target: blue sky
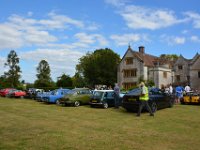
62,31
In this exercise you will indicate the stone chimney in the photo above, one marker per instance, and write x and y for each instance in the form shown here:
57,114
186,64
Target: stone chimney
141,49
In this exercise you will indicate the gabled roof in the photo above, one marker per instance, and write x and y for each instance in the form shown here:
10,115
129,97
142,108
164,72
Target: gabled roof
146,58
195,58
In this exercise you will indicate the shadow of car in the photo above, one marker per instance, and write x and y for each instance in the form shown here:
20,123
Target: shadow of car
157,100
103,98
76,97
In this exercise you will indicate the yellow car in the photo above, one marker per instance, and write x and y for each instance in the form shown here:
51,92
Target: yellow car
191,98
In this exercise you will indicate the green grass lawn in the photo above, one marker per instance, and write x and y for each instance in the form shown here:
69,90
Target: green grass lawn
27,124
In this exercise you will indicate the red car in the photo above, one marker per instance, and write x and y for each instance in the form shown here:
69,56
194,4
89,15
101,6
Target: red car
5,92
18,93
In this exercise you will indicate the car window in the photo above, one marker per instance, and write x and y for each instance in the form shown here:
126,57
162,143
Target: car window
55,92
97,95
110,94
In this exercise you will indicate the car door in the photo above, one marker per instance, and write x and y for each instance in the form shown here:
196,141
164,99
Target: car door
157,97
84,96
110,98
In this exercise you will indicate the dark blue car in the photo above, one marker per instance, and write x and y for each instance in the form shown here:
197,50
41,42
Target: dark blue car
157,100
104,98
55,95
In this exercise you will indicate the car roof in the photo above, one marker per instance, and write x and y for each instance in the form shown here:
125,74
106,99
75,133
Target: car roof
103,90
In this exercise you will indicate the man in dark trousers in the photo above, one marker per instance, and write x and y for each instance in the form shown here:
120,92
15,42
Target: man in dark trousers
116,95
144,97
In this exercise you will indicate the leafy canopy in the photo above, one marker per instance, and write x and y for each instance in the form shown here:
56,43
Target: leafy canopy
12,76
44,75
99,67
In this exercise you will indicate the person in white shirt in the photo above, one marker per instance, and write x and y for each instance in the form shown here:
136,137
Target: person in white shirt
187,88
170,89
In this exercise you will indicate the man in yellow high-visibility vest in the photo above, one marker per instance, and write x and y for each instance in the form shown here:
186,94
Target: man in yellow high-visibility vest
144,97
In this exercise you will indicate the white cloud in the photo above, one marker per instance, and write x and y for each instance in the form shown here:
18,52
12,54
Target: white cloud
185,32
10,37
173,40
195,17
21,31
125,39
195,38
2,68
137,17
85,39
60,22
117,3
35,36
92,26
179,40
60,60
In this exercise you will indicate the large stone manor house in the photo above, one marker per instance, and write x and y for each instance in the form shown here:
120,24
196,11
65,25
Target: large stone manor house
138,64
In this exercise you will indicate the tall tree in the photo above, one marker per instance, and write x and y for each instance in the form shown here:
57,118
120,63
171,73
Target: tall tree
78,80
99,67
13,74
170,57
44,75
64,81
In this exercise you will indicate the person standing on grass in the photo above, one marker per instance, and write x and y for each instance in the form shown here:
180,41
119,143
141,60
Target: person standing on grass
187,88
116,95
170,89
143,99
179,94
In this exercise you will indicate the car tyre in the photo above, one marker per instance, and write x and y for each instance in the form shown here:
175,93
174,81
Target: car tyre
105,105
154,107
171,103
76,103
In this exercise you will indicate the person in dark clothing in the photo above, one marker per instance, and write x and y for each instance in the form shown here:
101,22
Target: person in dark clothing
116,95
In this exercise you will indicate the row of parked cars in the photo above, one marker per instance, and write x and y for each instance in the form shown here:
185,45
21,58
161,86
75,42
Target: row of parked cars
11,92
96,98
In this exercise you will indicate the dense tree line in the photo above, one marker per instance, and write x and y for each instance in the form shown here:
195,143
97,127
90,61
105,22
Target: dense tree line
98,67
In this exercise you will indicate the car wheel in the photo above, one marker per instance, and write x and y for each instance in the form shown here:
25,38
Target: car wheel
76,103
154,107
57,102
105,105
171,103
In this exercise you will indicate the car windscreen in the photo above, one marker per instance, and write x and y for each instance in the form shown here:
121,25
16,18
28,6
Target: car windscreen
97,95
55,92
136,92
71,91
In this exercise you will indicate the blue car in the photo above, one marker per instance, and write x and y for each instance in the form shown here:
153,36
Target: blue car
40,96
55,95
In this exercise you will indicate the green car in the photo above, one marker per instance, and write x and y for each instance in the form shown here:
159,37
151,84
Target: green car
76,97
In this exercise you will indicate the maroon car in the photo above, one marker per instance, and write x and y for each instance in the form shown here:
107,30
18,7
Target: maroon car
18,93
5,92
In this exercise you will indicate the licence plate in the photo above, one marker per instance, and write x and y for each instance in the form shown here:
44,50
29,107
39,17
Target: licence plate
94,101
132,99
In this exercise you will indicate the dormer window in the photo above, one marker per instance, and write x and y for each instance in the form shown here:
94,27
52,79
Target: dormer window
180,67
129,60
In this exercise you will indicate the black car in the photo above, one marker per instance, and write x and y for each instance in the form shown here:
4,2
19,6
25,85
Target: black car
157,100
103,98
